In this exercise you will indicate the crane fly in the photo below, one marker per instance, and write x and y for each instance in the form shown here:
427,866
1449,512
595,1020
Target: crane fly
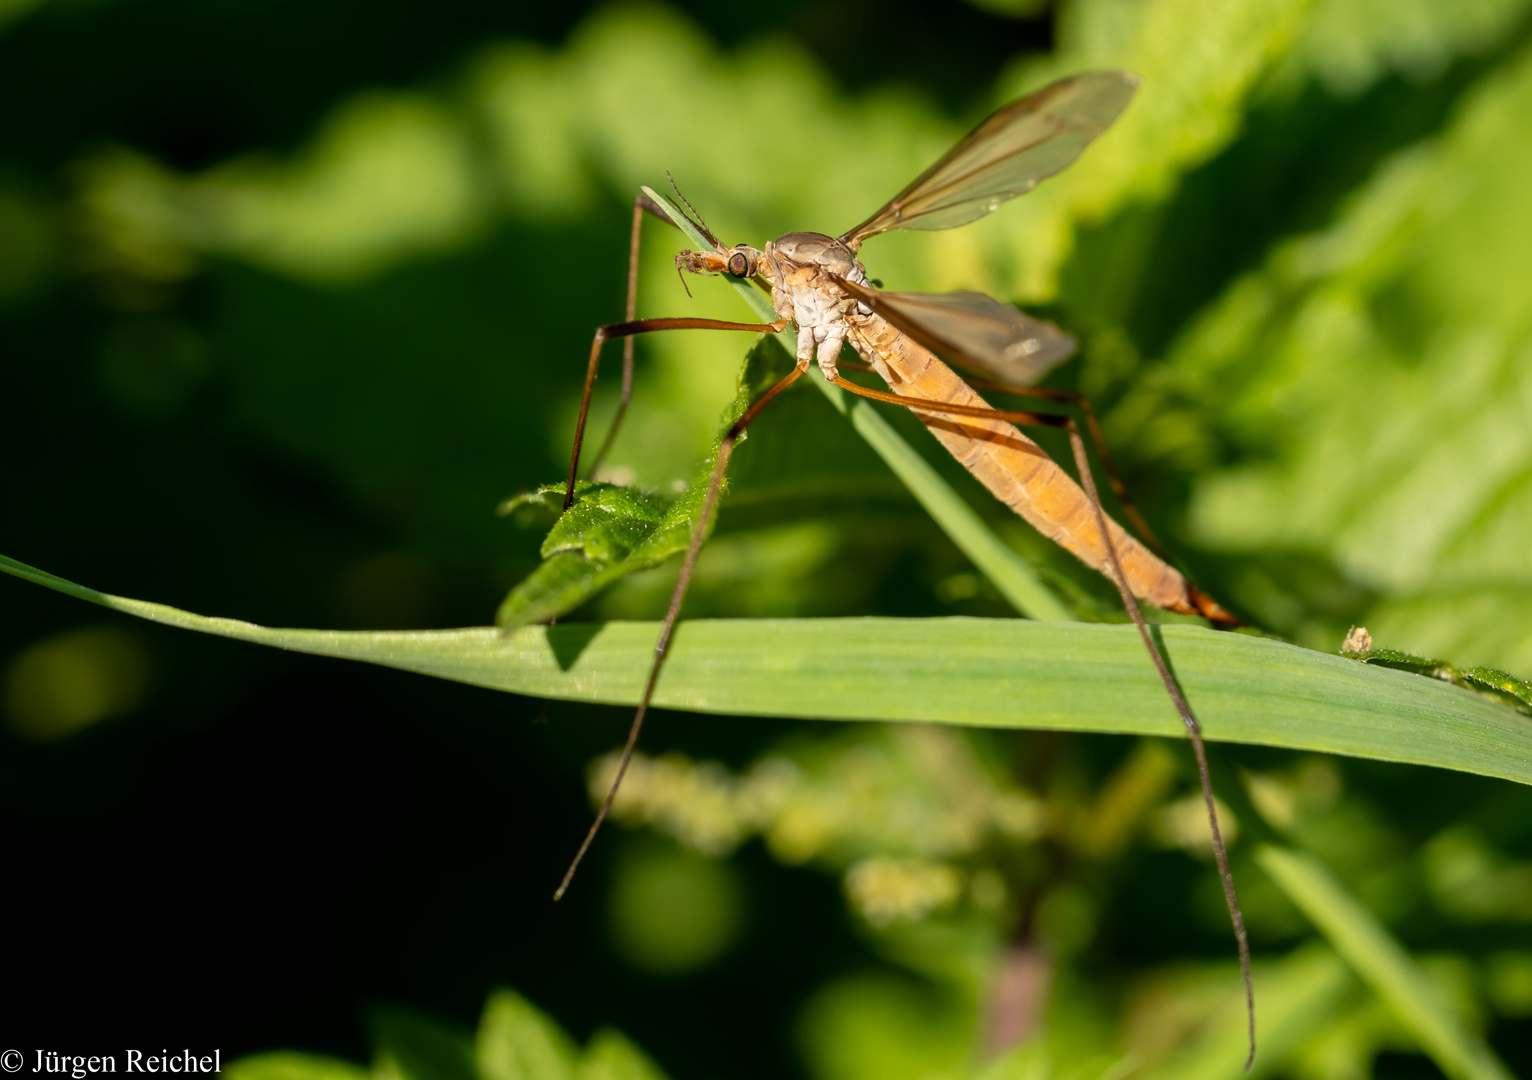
818,284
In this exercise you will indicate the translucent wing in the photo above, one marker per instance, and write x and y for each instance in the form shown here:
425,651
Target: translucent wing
975,331
1005,156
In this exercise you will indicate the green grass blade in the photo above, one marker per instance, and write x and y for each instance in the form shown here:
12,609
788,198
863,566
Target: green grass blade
1007,570
1008,673
1382,963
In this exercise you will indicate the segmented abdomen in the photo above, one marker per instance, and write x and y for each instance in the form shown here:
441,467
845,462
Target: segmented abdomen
1017,470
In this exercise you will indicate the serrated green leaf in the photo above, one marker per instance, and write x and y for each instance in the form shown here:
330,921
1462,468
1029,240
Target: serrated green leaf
518,1041
606,521
604,536
1382,963
612,531
1487,678
1483,679
1011,673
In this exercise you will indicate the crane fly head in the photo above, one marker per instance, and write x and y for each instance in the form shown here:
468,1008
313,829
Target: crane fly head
741,261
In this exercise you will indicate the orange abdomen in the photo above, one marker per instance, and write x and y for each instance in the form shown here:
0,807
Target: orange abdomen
1019,473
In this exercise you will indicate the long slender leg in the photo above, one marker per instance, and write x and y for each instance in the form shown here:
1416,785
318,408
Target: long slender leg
662,646
640,204
1130,604
627,330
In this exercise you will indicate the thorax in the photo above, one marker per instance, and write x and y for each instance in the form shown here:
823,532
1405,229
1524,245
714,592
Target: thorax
805,288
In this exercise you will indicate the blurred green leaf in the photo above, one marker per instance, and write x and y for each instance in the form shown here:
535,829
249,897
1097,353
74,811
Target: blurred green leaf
414,1047
988,673
1190,104
1471,882
673,911
383,181
1508,982
1028,1062
1377,376
611,1055
68,682
1375,956
15,9
1293,997
292,1065
884,1027
29,238
518,1041
1349,45
1348,1040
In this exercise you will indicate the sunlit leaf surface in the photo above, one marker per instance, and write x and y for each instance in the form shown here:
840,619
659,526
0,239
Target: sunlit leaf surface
990,673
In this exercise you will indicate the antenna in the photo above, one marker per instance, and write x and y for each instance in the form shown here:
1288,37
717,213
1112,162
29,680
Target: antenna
697,216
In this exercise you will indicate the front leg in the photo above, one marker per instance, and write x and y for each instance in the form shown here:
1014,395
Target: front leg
628,330
805,346
830,339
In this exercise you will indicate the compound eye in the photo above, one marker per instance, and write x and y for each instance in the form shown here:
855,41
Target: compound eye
739,264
